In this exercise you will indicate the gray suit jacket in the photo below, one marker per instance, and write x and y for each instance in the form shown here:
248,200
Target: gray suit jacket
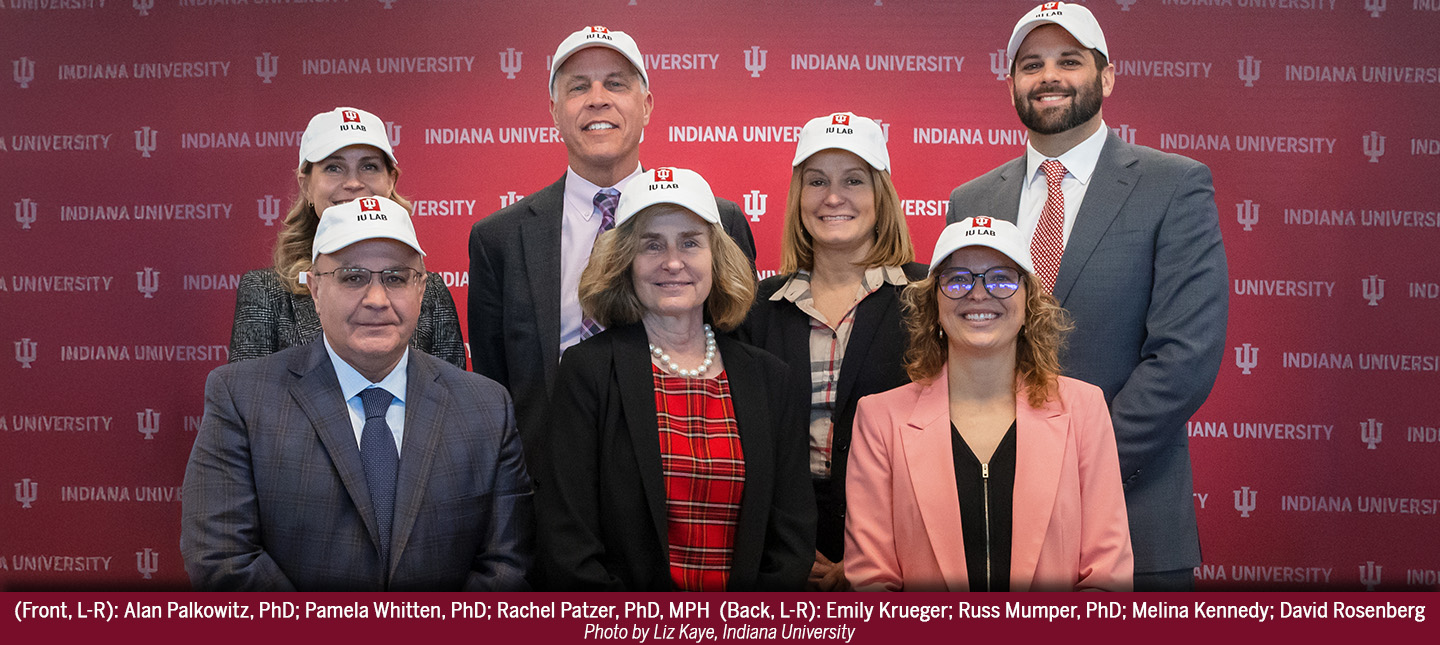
514,300
275,495
1145,279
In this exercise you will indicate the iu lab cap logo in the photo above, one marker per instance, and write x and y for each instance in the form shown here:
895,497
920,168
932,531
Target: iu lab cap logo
981,222
350,116
597,29
369,204
664,174
1050,6
840,119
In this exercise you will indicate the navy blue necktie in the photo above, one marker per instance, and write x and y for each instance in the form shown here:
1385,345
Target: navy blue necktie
605,202
382,463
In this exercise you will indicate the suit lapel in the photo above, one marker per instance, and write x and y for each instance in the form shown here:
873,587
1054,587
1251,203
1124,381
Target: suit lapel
930,455
753,422
1116,174
317,392
1040,438
637,400
1004,201
868,316
426,405
540,240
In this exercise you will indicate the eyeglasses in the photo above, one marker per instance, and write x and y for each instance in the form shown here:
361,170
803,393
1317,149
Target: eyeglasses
1000,282
357,279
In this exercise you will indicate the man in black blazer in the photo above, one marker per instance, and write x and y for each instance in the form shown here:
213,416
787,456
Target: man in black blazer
1141,269
526,259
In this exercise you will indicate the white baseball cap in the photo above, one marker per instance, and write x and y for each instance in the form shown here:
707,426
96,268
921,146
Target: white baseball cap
598,36
362,219
1074,18
341,127
994,233
844,131
678,186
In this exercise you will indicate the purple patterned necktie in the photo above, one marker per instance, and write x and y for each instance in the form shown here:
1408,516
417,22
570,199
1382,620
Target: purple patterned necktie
382,464
605,202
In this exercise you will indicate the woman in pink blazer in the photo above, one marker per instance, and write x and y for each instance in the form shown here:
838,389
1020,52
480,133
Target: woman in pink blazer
991,471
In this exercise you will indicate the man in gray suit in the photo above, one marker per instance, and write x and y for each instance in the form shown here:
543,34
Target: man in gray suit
352,463
1129,239
526,259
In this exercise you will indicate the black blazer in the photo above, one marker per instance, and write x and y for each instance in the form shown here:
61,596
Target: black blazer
874,362
602,511
514,297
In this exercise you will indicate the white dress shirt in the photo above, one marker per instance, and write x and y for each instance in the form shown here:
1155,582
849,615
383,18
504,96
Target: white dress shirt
578,229
352,383
1079,165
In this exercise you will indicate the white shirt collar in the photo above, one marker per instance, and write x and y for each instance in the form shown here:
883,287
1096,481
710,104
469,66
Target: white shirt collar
352,381
1079,161
580,193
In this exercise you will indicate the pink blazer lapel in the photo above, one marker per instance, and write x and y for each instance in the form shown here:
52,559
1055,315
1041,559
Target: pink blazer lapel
1040,437
928,452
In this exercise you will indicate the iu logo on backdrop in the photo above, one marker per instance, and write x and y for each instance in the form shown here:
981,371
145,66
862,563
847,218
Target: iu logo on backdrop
26,351
1374,146
25,213
145,141
510,197
1126,133
1245,501
999,64
1370,431
1375,7
392,132
268,208
755,205
1247,358
1373,289
148,423
26,492
510,62
147,562
148,281
1248,214
755,60
664,174
1249,70
1370,575
267,66
24,71
388,3
143,6
1124,4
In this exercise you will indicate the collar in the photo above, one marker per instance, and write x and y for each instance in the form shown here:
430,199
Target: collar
352,382
580,193
799,283
1079,161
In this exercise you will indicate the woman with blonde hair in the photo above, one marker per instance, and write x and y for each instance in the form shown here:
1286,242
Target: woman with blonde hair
345,154
833,314
668,464
990,472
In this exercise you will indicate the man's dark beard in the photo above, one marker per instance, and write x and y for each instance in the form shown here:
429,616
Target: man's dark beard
1084,105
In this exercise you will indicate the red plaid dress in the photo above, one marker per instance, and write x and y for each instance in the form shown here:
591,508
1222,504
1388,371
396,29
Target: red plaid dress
704,471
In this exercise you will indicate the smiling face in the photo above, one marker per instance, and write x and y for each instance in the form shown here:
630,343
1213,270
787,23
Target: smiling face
349,173
1056,86
600,106
369,328
979,322
672,270
837,202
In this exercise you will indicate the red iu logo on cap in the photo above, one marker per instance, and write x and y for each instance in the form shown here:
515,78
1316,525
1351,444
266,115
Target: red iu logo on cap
840,119
981,221
350,116
369,204
597,29
1050,6
664,174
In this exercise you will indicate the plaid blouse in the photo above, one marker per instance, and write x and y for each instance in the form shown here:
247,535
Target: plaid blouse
704,471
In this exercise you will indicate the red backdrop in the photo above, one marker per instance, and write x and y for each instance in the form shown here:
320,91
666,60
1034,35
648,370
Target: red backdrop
147,145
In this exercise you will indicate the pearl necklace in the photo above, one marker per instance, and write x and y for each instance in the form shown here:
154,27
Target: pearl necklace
695,373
